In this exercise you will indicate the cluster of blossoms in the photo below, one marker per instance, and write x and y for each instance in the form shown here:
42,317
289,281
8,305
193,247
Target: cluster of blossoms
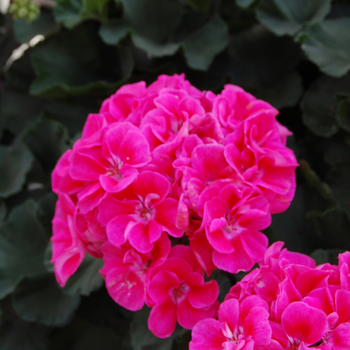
168,164
287,303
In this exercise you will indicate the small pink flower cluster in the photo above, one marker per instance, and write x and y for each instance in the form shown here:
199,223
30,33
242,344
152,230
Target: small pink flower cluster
287,303
171,161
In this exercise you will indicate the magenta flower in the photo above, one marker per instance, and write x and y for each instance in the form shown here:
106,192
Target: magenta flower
178,293
231,221
126,271
114,163
142,219
241,326
68,250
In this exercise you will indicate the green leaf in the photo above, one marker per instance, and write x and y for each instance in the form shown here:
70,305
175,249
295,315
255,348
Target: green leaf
244,3
223,282
328,45
19,109
68,12
44,25
285,93
113,31
343,112
338,181
48,140
23,241
143,339
288,16
154,20
318,194
289,225
41,299
322,256
72,113
75,62
269,75
87,278
94,9
15,163
153,48
19,334
201,46
319,105
81,335
100,309
200,5
3,210
337,150
331,227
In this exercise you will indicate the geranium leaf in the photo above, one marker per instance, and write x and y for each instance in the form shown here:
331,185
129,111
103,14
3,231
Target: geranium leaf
343,112
41,299
72,113
20,109
270,75
319,104
86,279
15,163
72,12
201,46
68,12
18,334
3,210
45,25
322,256
331,228
338,180
113,31
154,20
81,335
288,16
23,241
143,339
199,5
73,63
244,3
328,45
48,140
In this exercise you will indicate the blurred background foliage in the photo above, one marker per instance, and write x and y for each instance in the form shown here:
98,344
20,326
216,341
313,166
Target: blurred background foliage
60,59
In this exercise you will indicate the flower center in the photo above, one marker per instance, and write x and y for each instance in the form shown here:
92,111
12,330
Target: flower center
178,294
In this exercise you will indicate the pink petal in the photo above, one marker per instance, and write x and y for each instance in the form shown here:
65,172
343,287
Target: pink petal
134,150
207,335
229,313
161,285
162,319
85,167
304,323
342,305
116,229
188,316
339,338
166,213
217,237
125,288
113,185
150,182
202,295
257,325
109,208
141,236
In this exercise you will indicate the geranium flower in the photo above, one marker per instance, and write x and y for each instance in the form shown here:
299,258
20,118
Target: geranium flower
178,293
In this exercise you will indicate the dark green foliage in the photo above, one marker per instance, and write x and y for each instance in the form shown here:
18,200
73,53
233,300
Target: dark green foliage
295,54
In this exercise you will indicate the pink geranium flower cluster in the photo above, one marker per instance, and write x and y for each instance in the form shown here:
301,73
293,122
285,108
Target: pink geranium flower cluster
163,164
286,303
